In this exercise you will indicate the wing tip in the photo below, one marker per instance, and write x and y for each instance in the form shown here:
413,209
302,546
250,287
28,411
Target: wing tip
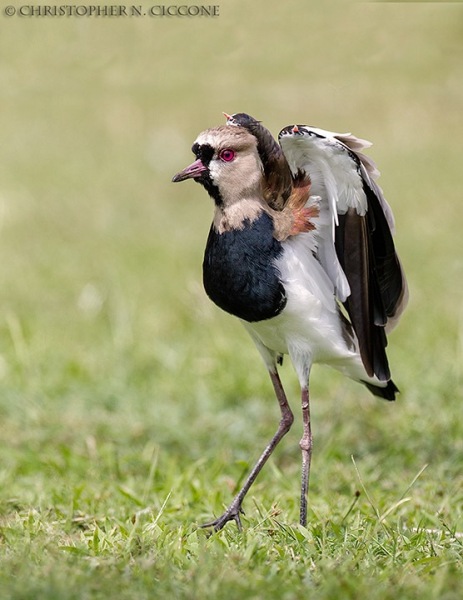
387,393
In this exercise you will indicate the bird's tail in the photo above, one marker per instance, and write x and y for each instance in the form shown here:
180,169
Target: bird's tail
388,392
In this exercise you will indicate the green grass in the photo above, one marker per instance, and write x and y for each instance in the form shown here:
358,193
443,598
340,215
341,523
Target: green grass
130,407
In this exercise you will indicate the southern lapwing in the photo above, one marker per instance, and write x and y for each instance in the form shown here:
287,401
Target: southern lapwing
301,251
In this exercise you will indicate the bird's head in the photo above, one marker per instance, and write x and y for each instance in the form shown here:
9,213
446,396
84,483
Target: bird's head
227,164
277,174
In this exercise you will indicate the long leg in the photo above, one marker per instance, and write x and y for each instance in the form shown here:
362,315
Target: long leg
287,418
306,447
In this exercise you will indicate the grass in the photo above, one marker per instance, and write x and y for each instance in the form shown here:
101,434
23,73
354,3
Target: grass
130,407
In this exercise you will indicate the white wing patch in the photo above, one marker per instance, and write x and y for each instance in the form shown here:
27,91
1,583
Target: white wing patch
368,170
338,171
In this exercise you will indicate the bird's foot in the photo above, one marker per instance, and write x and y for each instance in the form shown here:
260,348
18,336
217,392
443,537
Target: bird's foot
231,514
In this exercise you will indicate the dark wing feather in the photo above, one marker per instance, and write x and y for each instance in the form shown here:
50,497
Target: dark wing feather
367,255
354,251
387,266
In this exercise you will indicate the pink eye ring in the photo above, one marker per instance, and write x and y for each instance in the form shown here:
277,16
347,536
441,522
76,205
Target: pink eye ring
227,155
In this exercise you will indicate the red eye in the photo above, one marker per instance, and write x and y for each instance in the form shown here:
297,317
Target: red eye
227,155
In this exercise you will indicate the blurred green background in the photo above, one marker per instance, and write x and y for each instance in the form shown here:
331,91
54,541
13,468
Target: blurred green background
109,347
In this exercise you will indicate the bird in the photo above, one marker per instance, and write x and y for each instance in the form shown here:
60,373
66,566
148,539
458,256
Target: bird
301,251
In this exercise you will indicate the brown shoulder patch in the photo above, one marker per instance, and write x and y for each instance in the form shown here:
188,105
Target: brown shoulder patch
296,217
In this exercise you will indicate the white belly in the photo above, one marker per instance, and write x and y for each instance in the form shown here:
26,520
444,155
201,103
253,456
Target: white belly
305,328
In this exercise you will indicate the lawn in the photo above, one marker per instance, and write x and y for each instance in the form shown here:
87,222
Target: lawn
131,408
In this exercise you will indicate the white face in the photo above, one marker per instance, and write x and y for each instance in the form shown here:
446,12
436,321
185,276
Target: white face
219,153
231,157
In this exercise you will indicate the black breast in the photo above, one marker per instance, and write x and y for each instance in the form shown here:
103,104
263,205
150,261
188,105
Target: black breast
239,271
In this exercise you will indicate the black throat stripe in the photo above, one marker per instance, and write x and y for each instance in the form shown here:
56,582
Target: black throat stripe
205,152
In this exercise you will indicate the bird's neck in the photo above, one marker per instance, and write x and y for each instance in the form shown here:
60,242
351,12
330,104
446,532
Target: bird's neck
235,215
